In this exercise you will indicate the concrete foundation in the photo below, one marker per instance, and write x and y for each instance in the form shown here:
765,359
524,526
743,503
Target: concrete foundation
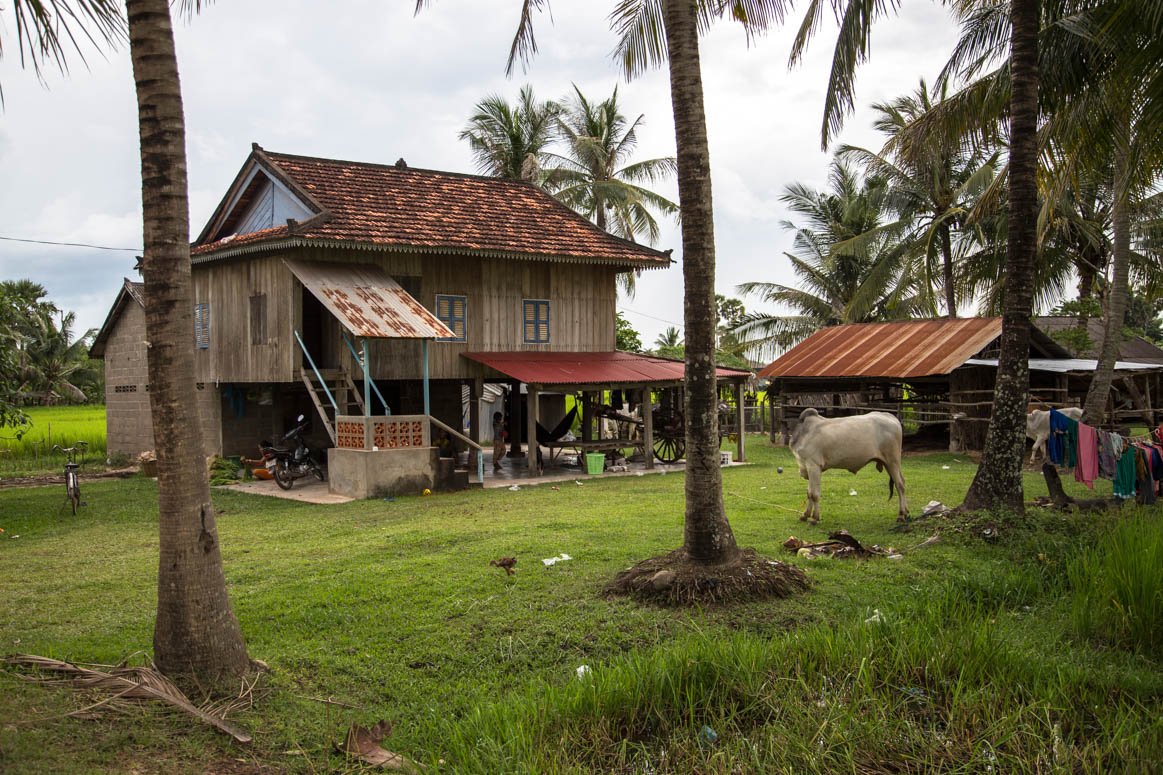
358,473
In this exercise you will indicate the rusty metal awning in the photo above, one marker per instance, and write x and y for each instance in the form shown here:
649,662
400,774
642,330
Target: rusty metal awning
589,368
367,301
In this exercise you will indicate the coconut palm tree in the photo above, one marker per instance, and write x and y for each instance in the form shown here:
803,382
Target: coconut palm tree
671,337
650,33
510,141
196,633
55,361
850,267
998,482
596,178
933,185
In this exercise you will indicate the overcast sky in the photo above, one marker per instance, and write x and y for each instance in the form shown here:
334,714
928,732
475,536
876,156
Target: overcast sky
368,81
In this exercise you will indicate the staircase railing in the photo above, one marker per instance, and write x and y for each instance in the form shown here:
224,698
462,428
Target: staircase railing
468,441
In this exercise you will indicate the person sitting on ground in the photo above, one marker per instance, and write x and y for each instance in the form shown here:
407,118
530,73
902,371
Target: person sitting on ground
499,435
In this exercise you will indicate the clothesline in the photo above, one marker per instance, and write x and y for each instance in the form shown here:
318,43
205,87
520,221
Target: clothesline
1133,463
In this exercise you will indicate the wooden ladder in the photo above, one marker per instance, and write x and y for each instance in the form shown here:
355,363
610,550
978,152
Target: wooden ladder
342,389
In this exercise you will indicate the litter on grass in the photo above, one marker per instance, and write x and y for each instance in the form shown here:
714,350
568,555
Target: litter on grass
852,492
554,560
934,508
944,468
363,744
840,544
514,488
875,618
584,671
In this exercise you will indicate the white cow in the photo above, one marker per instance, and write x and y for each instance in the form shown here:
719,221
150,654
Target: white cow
820,443
1038,427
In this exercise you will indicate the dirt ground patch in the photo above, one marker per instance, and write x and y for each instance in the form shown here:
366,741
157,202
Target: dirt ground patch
671,579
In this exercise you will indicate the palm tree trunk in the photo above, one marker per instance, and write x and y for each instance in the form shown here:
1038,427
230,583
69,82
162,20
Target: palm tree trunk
950,289
196,633
998,482
707,537
1112,336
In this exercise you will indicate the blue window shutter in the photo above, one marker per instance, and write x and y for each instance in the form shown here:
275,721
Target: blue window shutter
536,321
452,311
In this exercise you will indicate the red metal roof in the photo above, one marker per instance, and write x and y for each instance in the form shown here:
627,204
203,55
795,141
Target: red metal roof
591,368
425,210
914,348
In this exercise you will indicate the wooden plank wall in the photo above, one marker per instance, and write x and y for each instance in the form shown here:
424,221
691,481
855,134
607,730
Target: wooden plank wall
582,307
227,287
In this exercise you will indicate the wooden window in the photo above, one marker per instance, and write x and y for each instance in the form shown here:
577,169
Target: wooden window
536,321
258,319
202,326
453,312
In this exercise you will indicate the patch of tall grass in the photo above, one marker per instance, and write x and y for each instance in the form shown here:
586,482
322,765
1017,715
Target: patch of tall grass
49,425
947,682
1116,586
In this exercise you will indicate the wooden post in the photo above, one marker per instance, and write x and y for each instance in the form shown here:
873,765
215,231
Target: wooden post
648,425
515,420
424,354
587,417
740,423
476,389
531,426
367,380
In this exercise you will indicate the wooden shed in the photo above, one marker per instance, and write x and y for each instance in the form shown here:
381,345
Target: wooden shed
936,375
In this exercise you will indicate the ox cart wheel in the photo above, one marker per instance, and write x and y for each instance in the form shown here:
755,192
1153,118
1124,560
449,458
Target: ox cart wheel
669,435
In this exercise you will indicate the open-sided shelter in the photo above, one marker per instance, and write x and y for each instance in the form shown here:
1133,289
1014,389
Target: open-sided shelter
928,372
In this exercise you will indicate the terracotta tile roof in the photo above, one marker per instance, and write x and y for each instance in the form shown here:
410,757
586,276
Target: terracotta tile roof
403,207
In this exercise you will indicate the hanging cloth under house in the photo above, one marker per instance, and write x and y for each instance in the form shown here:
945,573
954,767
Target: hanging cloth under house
1124,481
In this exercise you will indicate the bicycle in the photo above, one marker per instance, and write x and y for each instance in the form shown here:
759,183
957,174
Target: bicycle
72,479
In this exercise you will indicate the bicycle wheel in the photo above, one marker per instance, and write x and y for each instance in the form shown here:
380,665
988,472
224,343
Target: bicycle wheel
73,489
319,472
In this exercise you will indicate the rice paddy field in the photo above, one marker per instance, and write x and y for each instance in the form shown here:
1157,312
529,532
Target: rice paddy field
28,448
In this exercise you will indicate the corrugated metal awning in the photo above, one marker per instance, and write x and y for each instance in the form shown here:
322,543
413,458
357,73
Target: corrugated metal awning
367,301
1067,365
588,368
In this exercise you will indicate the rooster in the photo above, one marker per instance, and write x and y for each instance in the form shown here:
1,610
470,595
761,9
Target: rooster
505,562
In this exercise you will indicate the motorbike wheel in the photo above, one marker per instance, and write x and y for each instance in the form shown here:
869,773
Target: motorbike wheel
283,476
320,474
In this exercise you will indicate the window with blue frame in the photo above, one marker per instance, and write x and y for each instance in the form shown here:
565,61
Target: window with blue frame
536,321
453,312
202,326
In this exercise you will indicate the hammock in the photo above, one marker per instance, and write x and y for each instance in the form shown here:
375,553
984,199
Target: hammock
545,437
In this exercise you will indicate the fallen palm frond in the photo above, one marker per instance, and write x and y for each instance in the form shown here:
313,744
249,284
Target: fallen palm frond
134,683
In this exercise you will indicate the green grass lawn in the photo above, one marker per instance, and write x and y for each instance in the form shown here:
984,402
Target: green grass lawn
28,449
969,663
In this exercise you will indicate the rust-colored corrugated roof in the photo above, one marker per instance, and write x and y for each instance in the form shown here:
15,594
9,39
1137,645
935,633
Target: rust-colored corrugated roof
375,205
914,348
587,368
367,301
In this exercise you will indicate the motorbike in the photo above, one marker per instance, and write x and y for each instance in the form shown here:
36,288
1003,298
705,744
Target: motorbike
287,464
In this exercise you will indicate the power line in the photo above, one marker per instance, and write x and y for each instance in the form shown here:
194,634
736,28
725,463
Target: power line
69,244
651,317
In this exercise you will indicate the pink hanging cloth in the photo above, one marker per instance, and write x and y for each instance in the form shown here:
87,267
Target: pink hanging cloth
1087,469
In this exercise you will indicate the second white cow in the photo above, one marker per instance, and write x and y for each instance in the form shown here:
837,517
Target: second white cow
820,443
1038,427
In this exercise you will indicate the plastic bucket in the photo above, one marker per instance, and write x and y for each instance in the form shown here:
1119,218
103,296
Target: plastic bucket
595,463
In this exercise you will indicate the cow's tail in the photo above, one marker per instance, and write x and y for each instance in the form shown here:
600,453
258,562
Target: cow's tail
880,467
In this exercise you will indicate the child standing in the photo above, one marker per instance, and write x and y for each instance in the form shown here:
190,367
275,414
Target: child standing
498,440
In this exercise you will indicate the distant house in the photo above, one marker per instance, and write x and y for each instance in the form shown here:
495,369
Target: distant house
1135,349
371,296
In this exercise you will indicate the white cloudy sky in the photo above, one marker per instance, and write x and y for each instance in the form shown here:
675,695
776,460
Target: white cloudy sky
365,80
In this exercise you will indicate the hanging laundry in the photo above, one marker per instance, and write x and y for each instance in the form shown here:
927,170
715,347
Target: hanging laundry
1108,460
1124,480
1087,469
1143,481
1058,445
